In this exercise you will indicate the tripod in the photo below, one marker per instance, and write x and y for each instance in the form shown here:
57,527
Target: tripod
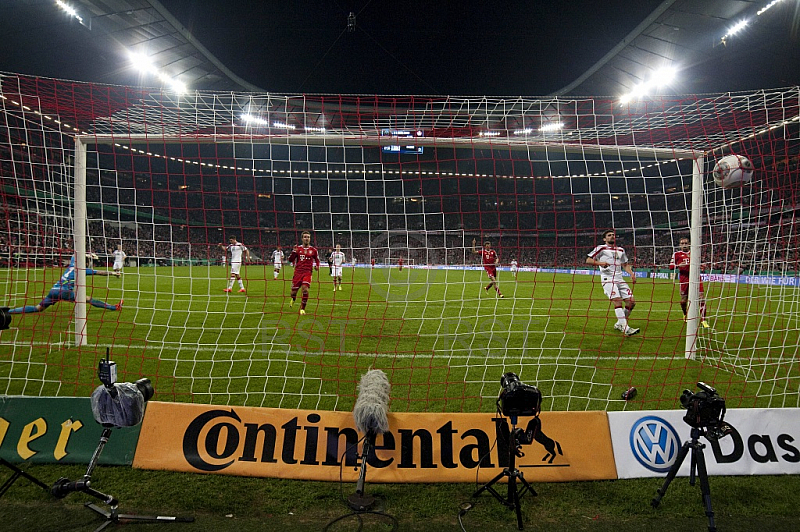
698,465
360,503
16,473
63,487
511,500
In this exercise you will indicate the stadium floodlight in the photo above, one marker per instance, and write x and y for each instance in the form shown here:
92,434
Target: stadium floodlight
282,125
254,120
145,64
662,76
768,6
142,62
736,28
176,86
72,12
552,126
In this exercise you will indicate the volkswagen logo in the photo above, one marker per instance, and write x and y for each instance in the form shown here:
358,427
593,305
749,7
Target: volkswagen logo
654,443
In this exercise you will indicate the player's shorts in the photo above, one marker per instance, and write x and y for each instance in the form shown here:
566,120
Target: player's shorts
514,269
298,281
277,265
336,271
235,267
685,288
491,271
55,295
616,289
117,266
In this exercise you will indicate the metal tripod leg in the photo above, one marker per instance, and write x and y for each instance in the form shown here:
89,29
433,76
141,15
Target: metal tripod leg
113,517
16,473
671,474
705,488
698,467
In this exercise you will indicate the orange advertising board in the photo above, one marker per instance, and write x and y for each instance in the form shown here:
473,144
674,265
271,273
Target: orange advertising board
419,447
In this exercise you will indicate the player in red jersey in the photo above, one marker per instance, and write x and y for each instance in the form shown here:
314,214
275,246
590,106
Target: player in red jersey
490,262
305,259
400,264
680,260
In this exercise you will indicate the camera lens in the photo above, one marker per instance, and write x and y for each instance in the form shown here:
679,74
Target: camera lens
5,319
686,397
146,388
509,380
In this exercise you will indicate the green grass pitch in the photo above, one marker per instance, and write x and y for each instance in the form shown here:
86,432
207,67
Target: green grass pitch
442,339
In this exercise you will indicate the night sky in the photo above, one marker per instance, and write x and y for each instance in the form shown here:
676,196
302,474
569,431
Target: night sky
411,47
422,47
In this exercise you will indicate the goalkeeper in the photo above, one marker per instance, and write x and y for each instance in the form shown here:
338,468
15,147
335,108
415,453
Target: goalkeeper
64,290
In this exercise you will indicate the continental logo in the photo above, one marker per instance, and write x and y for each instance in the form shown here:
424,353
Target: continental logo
217,439
419,447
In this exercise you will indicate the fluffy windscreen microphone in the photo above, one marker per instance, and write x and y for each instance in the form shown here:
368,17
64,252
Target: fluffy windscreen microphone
371,410
120,406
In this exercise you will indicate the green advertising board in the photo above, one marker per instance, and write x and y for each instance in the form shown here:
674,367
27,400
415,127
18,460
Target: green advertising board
59,430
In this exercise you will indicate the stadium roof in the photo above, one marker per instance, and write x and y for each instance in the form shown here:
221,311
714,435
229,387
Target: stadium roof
601,52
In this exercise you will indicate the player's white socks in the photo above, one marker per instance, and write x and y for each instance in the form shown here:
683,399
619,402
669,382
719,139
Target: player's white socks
621,317
230,283
627,312
241,284
274,275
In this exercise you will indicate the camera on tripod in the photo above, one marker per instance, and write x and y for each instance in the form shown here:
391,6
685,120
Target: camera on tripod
119,404
705,410
517,398
114,405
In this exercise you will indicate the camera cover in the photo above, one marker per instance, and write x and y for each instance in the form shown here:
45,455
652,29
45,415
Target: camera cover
124,408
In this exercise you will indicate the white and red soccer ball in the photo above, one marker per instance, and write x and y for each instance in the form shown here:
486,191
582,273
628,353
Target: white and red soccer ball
733,171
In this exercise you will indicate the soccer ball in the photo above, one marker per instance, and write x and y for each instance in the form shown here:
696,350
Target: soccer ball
732,171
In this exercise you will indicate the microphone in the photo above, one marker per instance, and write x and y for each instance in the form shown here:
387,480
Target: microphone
372,406
370,414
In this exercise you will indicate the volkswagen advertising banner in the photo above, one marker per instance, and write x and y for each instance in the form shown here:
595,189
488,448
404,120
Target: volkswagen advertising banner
764,442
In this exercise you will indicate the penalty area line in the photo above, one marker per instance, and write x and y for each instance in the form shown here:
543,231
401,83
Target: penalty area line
276,349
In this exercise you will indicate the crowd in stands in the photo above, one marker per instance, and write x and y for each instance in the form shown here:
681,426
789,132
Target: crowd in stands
772,248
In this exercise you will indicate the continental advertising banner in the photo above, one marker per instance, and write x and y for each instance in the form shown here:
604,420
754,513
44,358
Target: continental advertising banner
764,442
419,447
58,430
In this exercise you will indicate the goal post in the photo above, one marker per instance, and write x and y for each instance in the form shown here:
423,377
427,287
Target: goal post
696,231
79,237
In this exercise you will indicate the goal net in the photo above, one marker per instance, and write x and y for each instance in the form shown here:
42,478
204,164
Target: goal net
456,187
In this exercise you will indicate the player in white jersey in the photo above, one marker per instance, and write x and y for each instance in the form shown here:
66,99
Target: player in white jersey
612,261
337,261
277,262
236,250
514,268
119,259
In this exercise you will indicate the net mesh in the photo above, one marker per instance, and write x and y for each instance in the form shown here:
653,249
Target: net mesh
170,179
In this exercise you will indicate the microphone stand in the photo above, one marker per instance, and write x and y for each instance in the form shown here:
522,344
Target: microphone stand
63,487
359,502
